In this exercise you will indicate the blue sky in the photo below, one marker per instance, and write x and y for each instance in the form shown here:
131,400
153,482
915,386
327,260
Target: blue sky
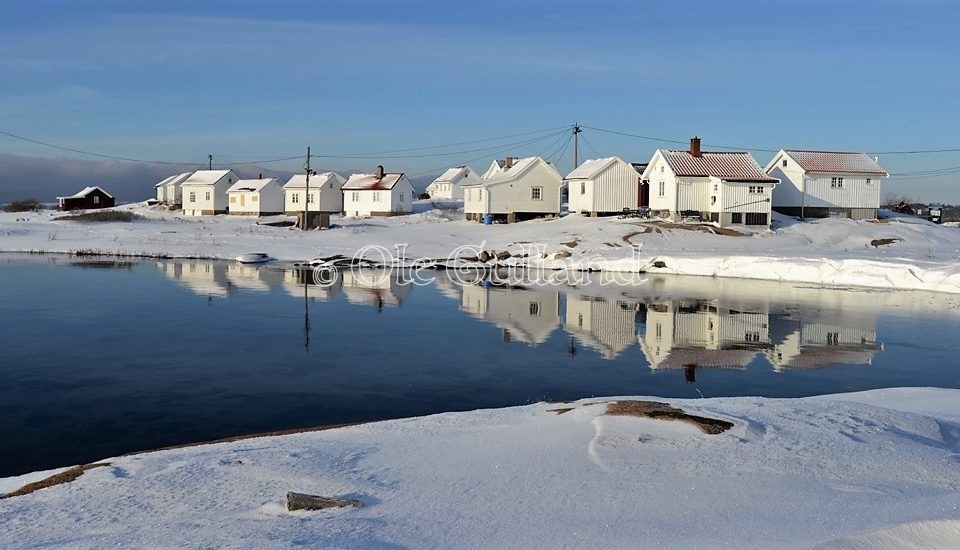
241,80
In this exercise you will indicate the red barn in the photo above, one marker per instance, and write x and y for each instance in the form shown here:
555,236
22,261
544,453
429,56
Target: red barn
90,197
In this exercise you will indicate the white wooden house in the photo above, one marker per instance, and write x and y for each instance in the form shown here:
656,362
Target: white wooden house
523,189
726,187
325,193
450,184
820,184
374,288
170,191
495,168
377,194
260,197
205,192
604,186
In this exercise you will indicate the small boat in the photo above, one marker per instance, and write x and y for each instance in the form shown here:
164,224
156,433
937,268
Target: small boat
253,258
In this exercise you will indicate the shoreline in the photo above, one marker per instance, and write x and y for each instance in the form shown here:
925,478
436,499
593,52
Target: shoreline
839,466
833,253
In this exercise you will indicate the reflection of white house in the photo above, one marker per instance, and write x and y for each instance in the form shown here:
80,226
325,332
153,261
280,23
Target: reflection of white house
696,333
316,285
726,187
374,288
170,190
522,189
201,277
607,327
525,315
604,185
325,194
814,343
205,192
260,197
378,194
253,278
448,287
820,184
449,184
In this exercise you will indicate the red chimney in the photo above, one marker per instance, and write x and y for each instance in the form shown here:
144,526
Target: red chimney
695,147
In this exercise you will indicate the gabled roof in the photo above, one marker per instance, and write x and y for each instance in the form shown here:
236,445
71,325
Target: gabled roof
452,173
299,181
360,182
726,165
205,177
174,180
593,168
519,168
836,162
251,186
86,191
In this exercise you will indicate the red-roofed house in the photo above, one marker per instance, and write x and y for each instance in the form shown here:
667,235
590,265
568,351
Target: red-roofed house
378,194
821,184
727,187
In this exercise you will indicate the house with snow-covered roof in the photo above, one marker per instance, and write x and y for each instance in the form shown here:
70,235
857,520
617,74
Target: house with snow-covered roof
324,195
523,189
495,167
87,198
205,192
377,194
450,184
259,197
725,187
821,184
604,186
169,191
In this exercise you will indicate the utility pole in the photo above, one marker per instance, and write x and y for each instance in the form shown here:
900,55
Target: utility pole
576,144
209,162
306,204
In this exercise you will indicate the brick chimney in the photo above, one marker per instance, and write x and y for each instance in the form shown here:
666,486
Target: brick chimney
695,147
379,172
508,163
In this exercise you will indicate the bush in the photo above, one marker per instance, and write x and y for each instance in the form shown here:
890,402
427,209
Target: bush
101,216
24,205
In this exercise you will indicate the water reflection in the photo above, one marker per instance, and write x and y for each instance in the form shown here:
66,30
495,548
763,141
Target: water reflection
675,323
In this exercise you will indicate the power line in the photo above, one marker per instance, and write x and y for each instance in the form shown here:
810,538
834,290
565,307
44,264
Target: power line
762,149
82,152
584,138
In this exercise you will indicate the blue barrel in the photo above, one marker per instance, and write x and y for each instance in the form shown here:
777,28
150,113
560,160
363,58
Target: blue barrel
487,219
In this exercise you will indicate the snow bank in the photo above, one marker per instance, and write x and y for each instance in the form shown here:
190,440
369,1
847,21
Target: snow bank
902,253
870,469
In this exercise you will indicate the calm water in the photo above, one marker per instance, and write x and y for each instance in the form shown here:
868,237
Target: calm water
100,358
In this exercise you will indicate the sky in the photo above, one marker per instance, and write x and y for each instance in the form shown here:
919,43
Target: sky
417,85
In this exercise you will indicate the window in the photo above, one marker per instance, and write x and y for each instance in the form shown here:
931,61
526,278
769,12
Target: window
295,198
233,199
330,185
534,308
869,181
756,218
536,193
736,217
751,337
583,187
401,197
783,163
193,196
833,338
207,196
661,169
96,199
254,198
355,196
756,189
836,183
310,198
376,196
663,188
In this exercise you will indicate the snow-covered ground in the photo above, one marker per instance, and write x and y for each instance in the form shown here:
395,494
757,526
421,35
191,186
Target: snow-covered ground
901,253
878,469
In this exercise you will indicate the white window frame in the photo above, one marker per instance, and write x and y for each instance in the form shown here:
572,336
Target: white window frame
294,198
536,193
836,182
193,196
662,189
